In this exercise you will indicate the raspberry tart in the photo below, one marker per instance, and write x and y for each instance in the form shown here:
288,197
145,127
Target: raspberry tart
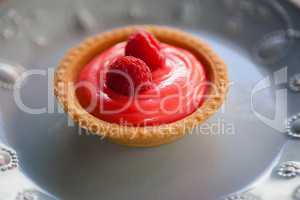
141,86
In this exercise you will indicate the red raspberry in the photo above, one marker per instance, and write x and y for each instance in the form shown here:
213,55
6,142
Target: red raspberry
143,45
128,75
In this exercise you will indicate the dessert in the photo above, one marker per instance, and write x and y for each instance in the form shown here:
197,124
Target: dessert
141,85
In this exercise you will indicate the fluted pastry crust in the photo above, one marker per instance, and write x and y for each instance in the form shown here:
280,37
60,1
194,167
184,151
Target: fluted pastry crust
67,72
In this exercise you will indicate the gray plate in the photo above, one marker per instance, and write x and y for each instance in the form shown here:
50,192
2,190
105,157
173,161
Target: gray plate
236,151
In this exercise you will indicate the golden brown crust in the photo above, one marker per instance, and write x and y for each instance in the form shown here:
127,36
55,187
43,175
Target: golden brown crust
69,68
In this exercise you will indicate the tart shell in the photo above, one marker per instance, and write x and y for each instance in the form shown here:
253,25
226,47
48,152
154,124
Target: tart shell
67,72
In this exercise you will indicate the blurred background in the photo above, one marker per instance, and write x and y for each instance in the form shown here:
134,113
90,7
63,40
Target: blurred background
36,25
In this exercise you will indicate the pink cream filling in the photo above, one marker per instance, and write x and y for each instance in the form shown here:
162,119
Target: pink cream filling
178,90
